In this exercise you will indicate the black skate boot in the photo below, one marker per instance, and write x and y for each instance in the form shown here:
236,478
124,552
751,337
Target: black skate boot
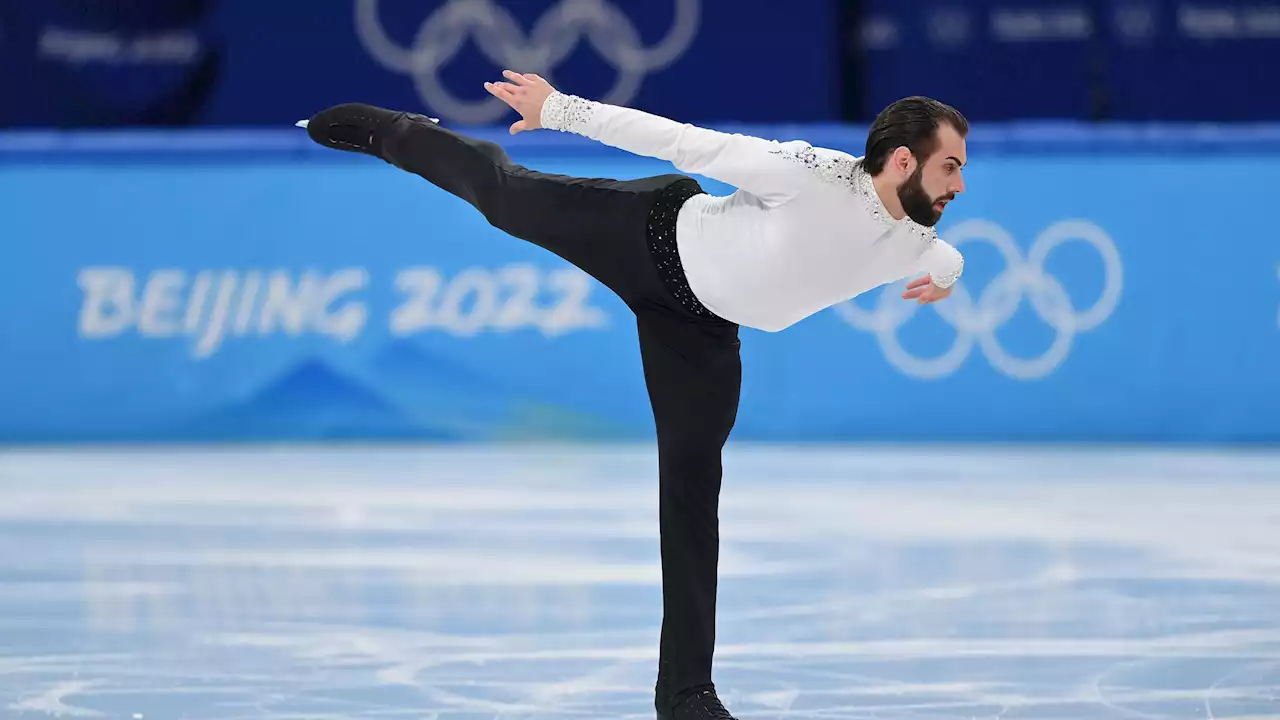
355,127
701,704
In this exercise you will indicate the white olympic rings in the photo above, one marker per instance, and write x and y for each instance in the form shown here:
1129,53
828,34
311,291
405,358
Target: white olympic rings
976,323
498,35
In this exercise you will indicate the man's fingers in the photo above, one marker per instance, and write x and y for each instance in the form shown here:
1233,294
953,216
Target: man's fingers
518,78
502,91
919,282
923,295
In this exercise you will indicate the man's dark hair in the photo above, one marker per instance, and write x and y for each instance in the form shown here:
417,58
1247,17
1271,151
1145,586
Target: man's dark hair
912,122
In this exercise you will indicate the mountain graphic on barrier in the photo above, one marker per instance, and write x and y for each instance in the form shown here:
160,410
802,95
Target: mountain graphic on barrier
311,402
440,392
406,361
435,391
401,392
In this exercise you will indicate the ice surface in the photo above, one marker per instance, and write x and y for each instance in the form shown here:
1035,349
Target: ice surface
490,582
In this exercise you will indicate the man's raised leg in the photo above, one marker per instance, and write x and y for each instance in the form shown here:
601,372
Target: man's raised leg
597,224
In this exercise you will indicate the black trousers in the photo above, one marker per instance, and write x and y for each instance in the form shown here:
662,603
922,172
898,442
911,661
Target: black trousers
692,366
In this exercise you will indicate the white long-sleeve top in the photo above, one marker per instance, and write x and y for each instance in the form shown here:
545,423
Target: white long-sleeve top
804,231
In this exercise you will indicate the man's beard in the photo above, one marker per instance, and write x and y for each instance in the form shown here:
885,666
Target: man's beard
916,202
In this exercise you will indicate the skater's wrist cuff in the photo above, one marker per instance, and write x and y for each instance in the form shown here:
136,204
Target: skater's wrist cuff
567,113
948,279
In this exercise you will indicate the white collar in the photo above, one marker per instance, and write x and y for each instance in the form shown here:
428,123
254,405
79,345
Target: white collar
866,187
871,199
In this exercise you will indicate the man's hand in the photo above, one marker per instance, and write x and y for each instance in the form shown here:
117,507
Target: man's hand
924,291
525,94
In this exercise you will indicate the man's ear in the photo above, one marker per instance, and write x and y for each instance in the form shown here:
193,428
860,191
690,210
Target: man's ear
902,160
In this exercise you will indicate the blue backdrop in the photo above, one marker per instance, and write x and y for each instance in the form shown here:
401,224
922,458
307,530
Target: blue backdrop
1121,284
1078,59
249,62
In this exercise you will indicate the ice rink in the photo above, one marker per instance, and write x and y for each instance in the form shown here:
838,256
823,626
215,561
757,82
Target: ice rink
878,583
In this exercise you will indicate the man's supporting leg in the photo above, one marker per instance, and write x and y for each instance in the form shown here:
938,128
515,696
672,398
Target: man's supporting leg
598,224
693,372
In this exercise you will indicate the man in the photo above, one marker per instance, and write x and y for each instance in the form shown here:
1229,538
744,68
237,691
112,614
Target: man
807,228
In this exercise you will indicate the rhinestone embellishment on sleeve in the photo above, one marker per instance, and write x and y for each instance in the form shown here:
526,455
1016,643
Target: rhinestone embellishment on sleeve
946,281
567,113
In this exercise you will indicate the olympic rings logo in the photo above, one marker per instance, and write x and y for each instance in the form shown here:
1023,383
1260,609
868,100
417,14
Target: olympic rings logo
498,35
976,321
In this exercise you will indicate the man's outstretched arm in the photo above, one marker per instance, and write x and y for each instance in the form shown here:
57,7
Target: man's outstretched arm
750,163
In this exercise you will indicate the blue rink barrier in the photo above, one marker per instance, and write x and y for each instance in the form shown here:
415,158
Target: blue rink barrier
1122,284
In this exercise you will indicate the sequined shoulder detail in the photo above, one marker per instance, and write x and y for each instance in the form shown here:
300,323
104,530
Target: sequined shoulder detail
829,166
839,169
567,113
